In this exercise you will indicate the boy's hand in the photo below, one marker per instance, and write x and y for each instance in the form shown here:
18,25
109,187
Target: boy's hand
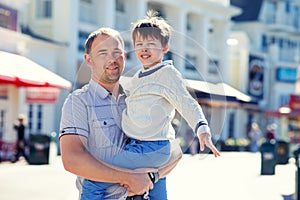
205,140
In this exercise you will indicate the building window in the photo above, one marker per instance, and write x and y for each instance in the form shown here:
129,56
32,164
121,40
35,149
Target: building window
44,8
213,66
231,126
39,118
190,62
86,1
120,5
30,118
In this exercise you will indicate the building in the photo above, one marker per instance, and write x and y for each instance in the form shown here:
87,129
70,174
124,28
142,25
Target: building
198,47
268,49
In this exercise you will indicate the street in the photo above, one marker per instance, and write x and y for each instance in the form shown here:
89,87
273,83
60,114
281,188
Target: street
232,176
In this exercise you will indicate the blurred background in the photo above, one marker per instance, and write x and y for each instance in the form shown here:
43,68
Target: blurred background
240,60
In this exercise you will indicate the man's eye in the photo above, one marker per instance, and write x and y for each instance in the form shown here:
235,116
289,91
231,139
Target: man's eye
102,54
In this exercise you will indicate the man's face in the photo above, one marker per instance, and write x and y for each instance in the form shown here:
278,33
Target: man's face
106,59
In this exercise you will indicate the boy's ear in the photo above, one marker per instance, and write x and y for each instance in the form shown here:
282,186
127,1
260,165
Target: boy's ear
165,48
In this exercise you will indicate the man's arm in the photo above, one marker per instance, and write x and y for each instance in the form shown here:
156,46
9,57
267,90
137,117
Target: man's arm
176,155
78,161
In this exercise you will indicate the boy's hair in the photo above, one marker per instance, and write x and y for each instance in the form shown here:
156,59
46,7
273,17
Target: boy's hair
152,26
102,31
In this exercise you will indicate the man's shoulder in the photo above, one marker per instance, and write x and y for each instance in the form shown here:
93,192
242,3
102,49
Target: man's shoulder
80,94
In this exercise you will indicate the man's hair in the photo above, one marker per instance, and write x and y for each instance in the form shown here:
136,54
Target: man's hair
102,31
152,26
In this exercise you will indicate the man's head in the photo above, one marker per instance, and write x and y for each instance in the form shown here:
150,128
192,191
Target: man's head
104,53
151,39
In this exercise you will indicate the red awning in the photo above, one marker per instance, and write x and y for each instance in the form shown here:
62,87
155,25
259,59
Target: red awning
23,72
277,114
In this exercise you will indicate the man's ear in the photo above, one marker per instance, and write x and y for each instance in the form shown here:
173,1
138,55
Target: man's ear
124,55
88,59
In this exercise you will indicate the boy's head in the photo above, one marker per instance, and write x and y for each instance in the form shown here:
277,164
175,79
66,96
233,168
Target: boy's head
152,26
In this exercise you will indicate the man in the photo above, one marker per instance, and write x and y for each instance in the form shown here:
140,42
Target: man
20,146
91,123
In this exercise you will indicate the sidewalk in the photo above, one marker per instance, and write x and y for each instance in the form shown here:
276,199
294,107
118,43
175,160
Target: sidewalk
233,176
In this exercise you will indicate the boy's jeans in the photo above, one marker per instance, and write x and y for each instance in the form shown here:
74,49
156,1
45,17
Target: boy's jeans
137,154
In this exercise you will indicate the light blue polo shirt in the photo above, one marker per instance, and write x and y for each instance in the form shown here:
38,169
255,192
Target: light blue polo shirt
94,113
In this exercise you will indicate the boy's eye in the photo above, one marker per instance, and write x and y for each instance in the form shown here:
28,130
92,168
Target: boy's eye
117,53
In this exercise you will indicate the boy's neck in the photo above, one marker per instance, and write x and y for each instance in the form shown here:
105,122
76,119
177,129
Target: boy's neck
152,65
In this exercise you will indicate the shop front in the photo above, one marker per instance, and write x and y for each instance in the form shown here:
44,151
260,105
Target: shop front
26,88
289,116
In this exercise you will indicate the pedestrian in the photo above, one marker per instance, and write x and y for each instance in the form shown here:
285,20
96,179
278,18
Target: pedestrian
19,126
255,135
155,92
270,134
91,124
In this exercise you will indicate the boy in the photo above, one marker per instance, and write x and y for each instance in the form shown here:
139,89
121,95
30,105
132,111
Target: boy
154,94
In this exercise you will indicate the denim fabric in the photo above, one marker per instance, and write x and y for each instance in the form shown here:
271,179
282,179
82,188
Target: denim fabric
137,154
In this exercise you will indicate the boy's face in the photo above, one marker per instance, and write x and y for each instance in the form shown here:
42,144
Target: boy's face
149,50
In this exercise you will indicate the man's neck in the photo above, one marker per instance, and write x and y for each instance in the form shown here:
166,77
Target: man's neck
111,87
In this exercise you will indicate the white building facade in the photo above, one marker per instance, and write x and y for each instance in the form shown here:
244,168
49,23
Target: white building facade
198,45
268,49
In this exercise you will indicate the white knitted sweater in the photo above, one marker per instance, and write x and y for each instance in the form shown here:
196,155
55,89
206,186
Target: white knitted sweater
154,94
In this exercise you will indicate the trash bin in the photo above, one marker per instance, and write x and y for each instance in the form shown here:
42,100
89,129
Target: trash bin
297,189
39,145
268,158
282,152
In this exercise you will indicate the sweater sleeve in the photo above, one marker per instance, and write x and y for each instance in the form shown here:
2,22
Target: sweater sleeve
176,93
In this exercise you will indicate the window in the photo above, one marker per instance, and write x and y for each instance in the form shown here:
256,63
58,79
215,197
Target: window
39,118
190,62
120,5
2,122
44,8
86,1
30,118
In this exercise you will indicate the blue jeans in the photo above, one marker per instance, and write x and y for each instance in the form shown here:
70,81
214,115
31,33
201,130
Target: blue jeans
159,191
137,154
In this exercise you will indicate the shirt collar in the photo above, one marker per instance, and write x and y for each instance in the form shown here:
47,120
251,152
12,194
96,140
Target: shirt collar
146,72
100,91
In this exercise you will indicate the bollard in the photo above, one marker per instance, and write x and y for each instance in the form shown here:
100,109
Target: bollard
268,158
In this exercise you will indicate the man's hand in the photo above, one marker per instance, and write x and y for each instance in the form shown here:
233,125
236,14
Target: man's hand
205,140
138,182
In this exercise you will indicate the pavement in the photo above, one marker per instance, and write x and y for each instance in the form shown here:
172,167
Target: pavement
232,176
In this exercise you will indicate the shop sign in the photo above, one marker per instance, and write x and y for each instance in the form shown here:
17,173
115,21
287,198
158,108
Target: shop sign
42,95
8,17
286,74
294,102
256,76
3,92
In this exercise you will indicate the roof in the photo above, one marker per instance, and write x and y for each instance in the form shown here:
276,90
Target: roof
23,72
250,10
